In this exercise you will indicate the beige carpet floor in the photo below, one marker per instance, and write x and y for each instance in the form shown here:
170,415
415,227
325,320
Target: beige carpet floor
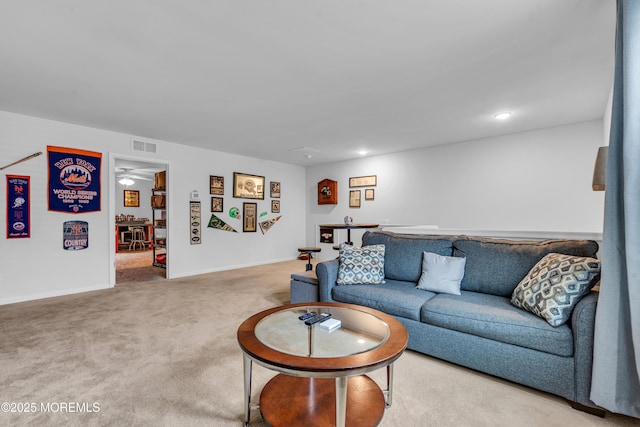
137,266
164,353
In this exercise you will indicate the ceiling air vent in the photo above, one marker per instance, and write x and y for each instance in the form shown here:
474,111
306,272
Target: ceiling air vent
148,147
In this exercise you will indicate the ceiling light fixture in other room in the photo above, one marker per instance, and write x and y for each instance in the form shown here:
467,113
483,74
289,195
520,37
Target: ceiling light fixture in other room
503,116
126,181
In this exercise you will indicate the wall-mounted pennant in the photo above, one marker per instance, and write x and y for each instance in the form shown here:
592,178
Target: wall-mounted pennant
75,235
74,180
18,207
216,222
266,225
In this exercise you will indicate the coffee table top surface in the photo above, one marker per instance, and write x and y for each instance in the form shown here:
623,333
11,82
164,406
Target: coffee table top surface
366,339
360,331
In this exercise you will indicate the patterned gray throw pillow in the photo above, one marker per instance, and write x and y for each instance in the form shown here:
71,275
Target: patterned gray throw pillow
361,266
554,286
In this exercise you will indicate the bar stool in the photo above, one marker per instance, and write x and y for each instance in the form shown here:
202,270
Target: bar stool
137,238
309,251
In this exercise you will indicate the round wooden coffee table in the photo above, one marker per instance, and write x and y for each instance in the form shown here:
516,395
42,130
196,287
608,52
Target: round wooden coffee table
318,367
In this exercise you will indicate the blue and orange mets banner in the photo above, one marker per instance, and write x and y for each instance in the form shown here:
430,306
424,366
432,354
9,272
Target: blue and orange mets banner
74,180
18,207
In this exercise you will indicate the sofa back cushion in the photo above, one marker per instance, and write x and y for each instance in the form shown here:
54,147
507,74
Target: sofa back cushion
496,266
403,252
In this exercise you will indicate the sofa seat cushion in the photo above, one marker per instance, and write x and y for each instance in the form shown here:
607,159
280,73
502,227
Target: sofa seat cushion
395,297
493,317
403,252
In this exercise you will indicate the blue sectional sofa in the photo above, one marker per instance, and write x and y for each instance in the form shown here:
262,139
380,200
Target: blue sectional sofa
480,328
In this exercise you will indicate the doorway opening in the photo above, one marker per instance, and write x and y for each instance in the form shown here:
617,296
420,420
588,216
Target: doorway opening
138,221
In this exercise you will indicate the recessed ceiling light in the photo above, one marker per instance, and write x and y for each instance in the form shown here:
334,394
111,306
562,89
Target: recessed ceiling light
362,152
503,116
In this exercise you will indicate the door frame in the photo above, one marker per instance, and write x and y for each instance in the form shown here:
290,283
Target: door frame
112,209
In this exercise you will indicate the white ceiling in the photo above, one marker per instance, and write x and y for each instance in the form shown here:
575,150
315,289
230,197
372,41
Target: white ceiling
274,78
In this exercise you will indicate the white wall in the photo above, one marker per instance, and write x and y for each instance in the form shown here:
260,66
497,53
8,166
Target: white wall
538,181
534,181
38,267
144,210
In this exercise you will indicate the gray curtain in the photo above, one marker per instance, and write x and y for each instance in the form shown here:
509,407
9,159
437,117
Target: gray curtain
616,360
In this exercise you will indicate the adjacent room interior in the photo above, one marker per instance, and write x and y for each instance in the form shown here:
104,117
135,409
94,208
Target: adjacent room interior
140,229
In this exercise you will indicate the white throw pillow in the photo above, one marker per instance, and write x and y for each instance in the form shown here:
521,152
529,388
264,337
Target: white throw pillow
441,274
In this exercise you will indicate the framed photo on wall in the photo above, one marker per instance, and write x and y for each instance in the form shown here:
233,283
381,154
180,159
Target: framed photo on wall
275,206
326,235
249,217
216,185
131,198
217,204
354,198
275,189
363,181
369,194
247,186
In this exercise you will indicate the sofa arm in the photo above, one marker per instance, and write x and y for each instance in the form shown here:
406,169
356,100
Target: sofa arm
327,273
583,325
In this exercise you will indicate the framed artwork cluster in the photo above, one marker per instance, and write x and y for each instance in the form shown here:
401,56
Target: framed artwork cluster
245,186
355,196
328,190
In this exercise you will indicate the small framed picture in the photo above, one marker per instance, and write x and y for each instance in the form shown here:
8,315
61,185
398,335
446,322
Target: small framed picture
275,206
369,194
363,181
217,204
275,189
247,186
131,198
216,185
249,217
354,198
326,235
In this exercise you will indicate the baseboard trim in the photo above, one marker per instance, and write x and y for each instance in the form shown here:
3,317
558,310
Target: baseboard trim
43,295
230,267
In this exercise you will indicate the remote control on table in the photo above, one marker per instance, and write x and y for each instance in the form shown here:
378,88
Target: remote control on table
317,318
305,316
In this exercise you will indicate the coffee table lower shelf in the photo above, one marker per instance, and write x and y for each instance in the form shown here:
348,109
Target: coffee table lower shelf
288,401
